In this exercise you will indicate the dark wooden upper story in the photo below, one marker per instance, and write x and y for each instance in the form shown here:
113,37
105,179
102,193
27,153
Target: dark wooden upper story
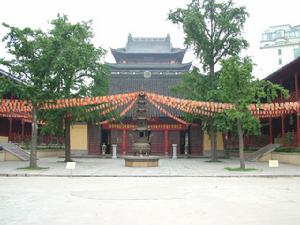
288,77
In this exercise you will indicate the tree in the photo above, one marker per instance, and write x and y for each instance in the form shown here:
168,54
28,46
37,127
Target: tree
60,63
77,64
30,63
238,86
214,31
202,88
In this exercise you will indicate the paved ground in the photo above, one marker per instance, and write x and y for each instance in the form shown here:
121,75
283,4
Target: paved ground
149,201
168,167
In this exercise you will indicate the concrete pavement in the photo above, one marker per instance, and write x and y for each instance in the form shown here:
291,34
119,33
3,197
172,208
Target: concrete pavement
149,200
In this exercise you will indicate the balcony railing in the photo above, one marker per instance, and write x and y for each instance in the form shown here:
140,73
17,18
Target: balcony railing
43,139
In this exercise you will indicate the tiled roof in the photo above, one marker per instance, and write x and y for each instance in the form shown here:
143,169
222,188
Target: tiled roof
148,45
148,49
10,76
285,72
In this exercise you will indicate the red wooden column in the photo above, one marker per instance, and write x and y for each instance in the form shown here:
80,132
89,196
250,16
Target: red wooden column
22,130
296,85
282,126
297,114
124,141
270,131
166,142
10,129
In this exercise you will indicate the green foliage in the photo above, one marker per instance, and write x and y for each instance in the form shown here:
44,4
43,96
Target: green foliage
33,168
238,86
59,63
288,139
30,63
213,29
240,169
77,59
288,149
99,84
78,67
199,87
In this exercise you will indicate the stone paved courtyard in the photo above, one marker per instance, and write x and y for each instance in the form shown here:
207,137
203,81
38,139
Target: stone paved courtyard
167,167
149,200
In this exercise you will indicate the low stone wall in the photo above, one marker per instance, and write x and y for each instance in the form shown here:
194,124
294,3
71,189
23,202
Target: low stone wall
282,157
45,154
7,156
237,154
3,139
2,156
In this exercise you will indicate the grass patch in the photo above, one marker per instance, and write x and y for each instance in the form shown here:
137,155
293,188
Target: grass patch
214,161
239,169
63,161
32,168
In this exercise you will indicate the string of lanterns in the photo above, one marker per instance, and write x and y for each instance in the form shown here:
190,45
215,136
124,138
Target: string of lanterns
166,112
22,108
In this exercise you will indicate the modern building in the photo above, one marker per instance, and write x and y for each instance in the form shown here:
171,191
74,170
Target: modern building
149,64
279,45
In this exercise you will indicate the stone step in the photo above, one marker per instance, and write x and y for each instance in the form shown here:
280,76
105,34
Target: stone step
262,151
16,150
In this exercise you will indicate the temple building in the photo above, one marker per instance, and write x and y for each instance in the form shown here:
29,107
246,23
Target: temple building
149,64
283,130
152,65
13,128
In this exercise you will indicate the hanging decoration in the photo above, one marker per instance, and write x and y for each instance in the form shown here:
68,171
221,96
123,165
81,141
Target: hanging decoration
16,108
123,112
166,112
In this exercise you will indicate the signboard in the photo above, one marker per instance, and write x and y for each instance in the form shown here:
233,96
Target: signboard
151,126
71,165
273,163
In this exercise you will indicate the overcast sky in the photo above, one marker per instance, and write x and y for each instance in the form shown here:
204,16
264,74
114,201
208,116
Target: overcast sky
114,19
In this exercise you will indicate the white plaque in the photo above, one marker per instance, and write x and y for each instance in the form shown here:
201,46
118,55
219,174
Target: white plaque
273,163
71,165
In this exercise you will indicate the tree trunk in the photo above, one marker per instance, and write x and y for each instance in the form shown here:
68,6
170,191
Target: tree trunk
226,151
213,144
67,139
211,69
34,131
241,144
